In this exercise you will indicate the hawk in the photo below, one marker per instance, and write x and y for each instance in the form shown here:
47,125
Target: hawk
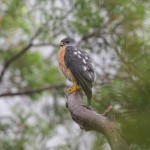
76,66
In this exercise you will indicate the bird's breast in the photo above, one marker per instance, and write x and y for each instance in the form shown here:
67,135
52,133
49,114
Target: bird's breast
66,71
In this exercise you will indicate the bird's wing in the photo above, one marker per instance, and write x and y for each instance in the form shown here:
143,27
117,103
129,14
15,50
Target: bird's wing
80,65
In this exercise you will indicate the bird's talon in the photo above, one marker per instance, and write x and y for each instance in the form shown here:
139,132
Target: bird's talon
74,88
71,90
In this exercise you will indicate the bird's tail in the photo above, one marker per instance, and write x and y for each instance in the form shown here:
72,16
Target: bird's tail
87,88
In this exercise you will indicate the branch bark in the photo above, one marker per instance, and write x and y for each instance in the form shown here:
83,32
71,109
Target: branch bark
91,120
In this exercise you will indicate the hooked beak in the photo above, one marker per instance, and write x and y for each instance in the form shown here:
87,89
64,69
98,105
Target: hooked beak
61,43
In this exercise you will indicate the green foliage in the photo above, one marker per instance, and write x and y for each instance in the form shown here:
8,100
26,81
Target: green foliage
36,71
90,16
15,18
25,130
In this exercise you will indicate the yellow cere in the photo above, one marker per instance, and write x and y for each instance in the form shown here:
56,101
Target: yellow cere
61,43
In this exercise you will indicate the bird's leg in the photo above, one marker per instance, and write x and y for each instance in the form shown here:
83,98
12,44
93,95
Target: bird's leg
74,88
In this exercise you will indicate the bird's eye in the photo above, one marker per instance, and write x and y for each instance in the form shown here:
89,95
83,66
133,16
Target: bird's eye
67,42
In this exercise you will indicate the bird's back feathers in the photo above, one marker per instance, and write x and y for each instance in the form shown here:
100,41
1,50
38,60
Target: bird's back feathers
80,65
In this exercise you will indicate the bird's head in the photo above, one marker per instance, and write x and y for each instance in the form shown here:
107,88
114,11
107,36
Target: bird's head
67,41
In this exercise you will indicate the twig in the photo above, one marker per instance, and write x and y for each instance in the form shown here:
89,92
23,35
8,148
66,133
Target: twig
107,110
32,91
16,56
45,44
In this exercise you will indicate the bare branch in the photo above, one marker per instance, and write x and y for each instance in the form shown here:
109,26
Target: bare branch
45,44
20,53
91,120
32,91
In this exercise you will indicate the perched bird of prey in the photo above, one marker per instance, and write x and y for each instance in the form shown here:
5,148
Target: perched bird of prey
76,66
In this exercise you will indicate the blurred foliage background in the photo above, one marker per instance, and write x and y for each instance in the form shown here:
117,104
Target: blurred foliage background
32,98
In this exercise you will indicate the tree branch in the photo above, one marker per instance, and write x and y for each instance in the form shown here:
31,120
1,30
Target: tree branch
32,91
45,44
20,53
91,120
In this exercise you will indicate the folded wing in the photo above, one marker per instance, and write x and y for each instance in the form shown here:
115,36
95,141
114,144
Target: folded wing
81,67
